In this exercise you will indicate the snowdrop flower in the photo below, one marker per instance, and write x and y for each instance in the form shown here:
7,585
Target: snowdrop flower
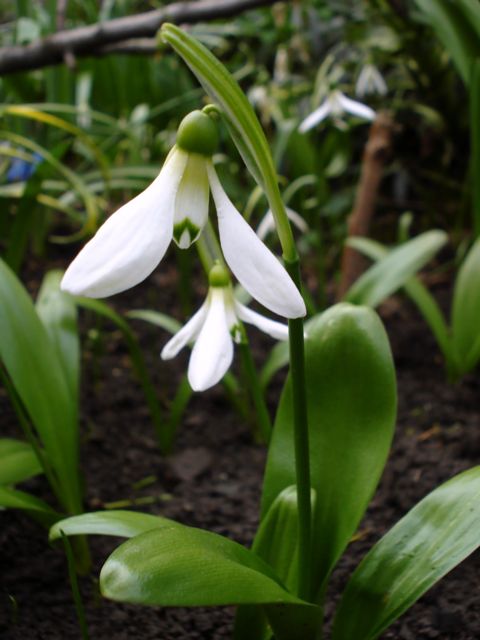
336,104
369,81
213,329
131,243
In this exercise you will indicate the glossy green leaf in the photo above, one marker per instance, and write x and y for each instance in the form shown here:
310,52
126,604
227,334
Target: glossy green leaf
124,524
393,271
466,310
58,312
455,30
437,534
18,461
38,509
183,566
37,375
351,403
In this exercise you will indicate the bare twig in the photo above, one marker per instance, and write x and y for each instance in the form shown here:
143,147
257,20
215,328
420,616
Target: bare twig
86,41
375,155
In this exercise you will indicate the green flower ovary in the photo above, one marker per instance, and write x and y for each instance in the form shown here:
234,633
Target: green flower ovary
197,133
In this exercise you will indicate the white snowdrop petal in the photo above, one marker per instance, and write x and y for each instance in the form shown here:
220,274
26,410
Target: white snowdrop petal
188,333
276,330
254,266
131,243
212,354
357,108
315,117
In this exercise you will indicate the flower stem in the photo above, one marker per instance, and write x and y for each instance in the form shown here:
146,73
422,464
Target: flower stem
297,372
302,455
251,375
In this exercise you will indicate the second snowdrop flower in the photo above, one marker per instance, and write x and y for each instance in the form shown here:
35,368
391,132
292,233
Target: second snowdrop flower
131,243
370,81
336,104
213,329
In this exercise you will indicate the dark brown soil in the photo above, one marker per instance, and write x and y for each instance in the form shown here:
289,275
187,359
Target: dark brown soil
214,482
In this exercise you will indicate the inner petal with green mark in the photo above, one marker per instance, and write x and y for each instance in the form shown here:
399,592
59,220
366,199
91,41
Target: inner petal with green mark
191,203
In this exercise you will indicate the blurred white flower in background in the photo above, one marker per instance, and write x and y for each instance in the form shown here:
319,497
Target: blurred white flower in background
267,223
336,104
370,81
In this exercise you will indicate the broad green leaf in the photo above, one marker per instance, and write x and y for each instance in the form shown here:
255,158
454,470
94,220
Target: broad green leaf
36,508
393,271
37,375
124,524
351,403
418,293
455,31
466,307
437,534
182,566
18,461
58,312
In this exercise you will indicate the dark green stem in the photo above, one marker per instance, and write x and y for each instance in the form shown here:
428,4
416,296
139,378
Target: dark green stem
302,456
77,598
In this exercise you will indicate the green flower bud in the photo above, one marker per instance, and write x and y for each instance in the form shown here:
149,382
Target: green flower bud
218,276
197,133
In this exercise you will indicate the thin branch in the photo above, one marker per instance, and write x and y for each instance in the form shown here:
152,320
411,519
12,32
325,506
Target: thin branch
86,41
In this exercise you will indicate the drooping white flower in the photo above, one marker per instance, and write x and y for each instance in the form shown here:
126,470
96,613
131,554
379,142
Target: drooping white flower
213,329
370,81
336,104
131,243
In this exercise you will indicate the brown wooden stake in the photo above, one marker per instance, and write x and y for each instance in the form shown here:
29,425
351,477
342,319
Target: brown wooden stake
376,153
